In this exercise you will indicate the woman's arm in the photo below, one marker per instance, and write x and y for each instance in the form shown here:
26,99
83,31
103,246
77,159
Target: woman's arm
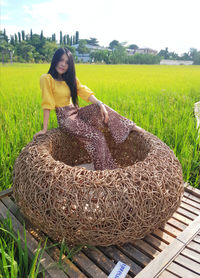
93,99
46,113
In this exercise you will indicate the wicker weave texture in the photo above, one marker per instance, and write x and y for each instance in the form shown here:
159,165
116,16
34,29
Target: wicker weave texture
97,207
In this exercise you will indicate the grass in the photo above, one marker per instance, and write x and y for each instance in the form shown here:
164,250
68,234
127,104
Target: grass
158,98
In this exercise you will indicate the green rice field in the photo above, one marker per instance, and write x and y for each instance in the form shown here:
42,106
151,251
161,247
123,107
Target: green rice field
158,98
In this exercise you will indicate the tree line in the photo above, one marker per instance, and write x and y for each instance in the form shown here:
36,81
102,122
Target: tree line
36,48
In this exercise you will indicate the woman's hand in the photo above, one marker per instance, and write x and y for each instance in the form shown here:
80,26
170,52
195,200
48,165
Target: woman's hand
104,113
38,133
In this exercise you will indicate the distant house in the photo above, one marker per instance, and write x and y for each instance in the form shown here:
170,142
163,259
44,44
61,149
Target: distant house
146,51
175,62
130,51
86,57
141,51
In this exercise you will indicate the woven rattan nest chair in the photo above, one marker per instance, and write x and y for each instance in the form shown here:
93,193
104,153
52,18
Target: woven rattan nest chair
107,207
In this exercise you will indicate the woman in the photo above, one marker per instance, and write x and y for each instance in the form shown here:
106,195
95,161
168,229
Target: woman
59,86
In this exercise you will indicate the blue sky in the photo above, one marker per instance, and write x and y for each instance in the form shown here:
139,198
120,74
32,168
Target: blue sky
148,23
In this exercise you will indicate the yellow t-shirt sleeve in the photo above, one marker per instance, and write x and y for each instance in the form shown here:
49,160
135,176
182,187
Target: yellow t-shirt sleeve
48,101
83,91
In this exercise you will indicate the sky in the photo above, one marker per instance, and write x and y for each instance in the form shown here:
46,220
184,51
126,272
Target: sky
156,24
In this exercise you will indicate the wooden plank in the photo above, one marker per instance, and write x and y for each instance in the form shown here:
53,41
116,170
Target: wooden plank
186,213
163,236
197,238
157,266
161,261
87,266
190,232
32,245
191,254
192,197
182,218
133,253
192,190
190,202
115,254
167,274
155,242
170,230
100,259
177,224
190,208
6,192
71,270
181,271
194,246
188,263
146,248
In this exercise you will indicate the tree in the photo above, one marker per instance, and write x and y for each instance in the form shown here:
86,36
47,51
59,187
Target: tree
64,40
31,35
25,51
173,56
139,58
68,40
5,47
119,54
185,56
61,38
77,37
133,46
4,35
164,53
93,41
74,40
23,35
100,56
12,41
82,49
192,52
53,37
15,38
113,44
196,58
39,47
49,50
19,36
41,35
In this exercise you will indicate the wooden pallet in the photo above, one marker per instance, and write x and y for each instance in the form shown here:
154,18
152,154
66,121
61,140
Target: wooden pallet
171,251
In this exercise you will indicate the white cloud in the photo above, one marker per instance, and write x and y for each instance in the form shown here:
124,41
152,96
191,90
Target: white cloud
5,17
3,3
156,23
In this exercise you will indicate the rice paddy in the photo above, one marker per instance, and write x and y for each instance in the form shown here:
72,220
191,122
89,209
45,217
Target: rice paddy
158,98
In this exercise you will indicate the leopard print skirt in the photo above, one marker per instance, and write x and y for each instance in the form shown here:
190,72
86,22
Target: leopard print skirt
86,122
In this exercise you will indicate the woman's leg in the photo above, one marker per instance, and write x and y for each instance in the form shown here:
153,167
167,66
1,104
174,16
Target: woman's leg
71,120
119,126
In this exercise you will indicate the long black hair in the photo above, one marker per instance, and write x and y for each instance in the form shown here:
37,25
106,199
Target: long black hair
70,76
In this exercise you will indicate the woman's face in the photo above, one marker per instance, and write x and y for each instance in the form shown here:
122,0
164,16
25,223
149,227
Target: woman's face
62,65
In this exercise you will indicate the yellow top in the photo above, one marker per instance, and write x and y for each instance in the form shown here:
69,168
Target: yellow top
57,93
